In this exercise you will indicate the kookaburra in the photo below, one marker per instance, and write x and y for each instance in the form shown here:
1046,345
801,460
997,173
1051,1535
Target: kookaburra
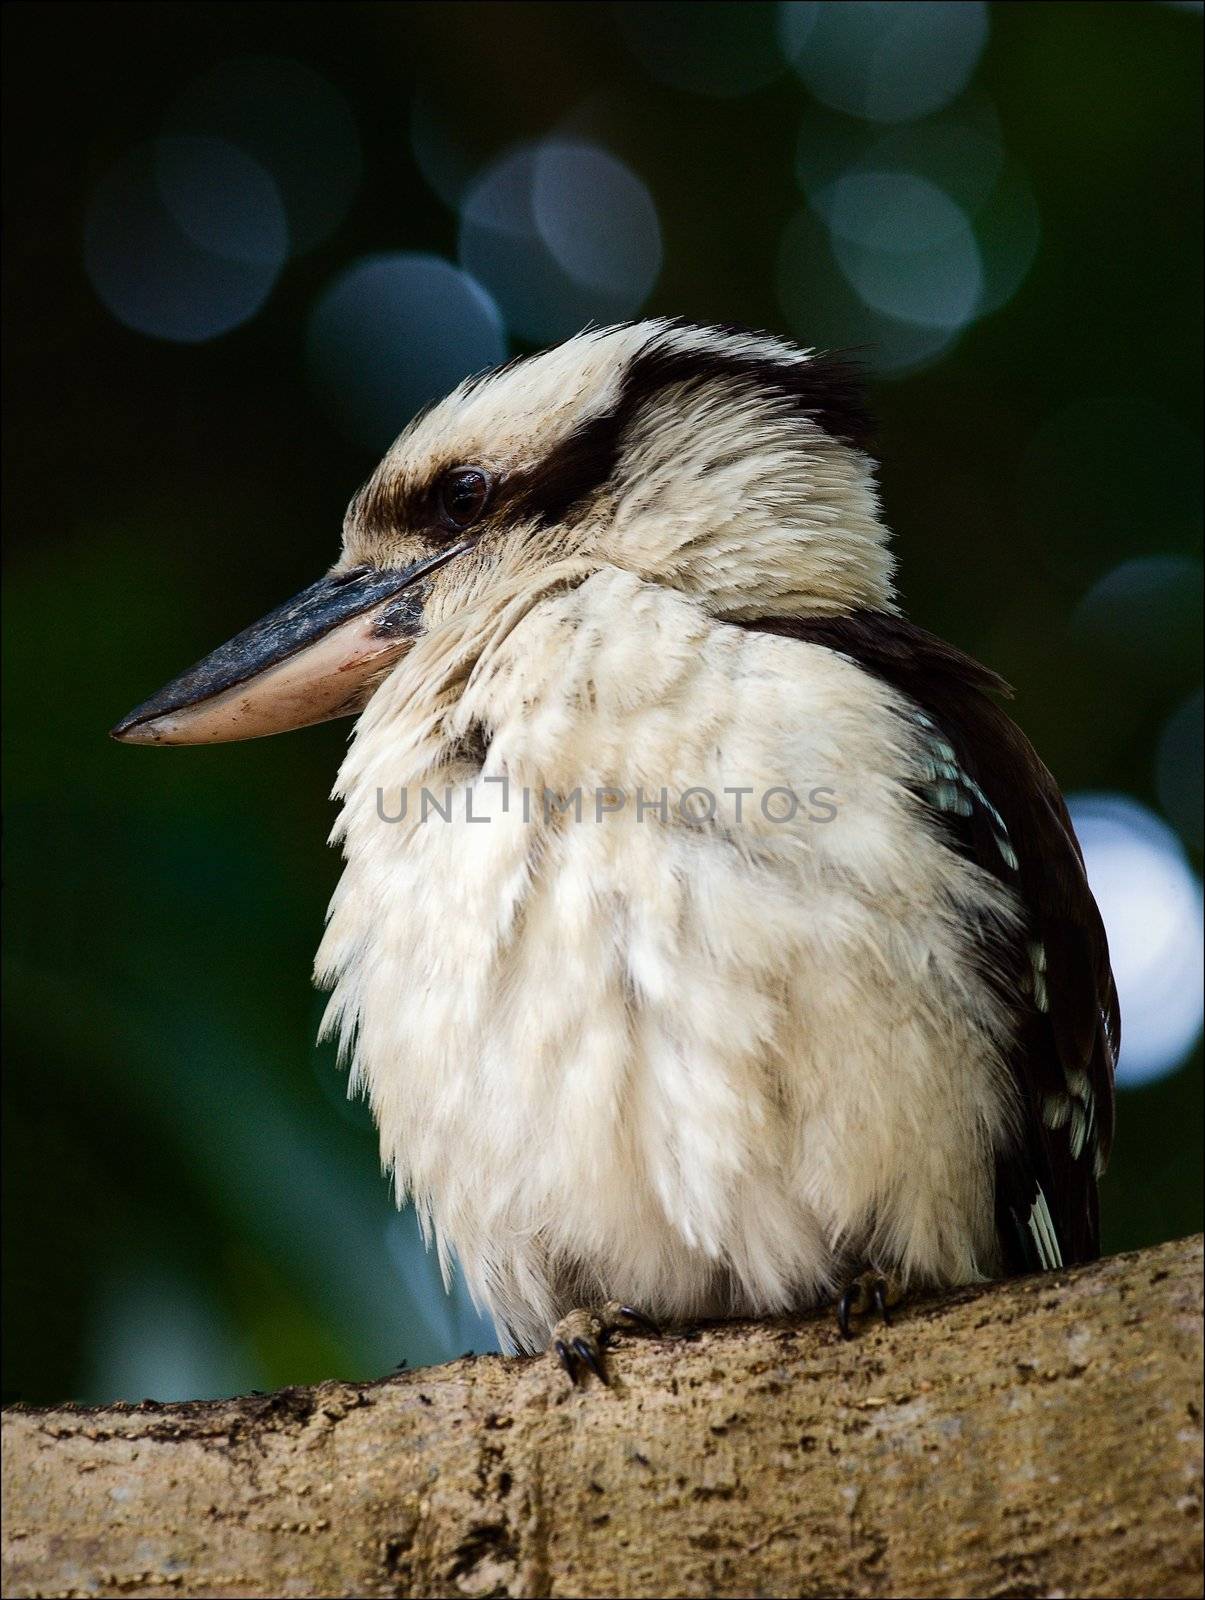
710,943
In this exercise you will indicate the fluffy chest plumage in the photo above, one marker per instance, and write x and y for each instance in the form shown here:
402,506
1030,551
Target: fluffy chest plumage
682,1048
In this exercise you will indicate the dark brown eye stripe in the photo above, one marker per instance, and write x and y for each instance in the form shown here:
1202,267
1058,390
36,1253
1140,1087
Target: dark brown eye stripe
825,388
454,499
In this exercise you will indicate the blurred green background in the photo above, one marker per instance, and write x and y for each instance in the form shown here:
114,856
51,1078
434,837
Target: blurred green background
237,239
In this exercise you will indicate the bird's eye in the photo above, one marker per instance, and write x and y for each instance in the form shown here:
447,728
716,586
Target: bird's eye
463,495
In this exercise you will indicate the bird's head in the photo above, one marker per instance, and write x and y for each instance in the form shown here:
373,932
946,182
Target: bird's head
726,465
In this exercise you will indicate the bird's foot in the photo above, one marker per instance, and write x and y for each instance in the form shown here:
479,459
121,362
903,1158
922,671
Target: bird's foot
867,1291
579,1339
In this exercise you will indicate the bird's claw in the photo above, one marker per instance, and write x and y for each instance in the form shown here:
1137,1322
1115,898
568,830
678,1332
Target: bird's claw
591,1354
630,1315
844,1307
881,1304
579,1339
870,1290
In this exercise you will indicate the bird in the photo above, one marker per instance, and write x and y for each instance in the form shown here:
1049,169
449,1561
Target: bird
710,942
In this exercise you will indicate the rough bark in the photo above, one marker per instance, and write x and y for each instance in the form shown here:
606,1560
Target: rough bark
1041,1437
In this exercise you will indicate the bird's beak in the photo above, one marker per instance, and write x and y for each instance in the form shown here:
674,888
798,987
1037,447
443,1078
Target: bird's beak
316,657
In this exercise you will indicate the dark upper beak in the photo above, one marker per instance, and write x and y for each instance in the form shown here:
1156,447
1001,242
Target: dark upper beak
316,657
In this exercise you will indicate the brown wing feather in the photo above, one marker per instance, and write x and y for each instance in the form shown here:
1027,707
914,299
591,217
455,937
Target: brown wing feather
1011,819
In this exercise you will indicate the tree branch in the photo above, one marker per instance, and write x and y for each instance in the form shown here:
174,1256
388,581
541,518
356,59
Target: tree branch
1036,1437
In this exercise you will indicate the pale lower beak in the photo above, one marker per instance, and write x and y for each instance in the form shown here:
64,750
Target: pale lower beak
316,657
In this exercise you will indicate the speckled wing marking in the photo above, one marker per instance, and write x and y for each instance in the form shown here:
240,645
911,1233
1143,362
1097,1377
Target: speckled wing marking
994,801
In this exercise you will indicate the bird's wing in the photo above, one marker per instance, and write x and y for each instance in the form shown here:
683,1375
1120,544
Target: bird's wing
997,804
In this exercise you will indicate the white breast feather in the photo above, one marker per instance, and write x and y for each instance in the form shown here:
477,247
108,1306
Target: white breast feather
697,1067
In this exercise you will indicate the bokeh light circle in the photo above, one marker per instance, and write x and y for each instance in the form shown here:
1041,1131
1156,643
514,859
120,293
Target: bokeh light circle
823,309
294,123
394,332
613,244
1145,613
884,60
963,157
1151,904
222,200
184,238
960,161
562,233
905,247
